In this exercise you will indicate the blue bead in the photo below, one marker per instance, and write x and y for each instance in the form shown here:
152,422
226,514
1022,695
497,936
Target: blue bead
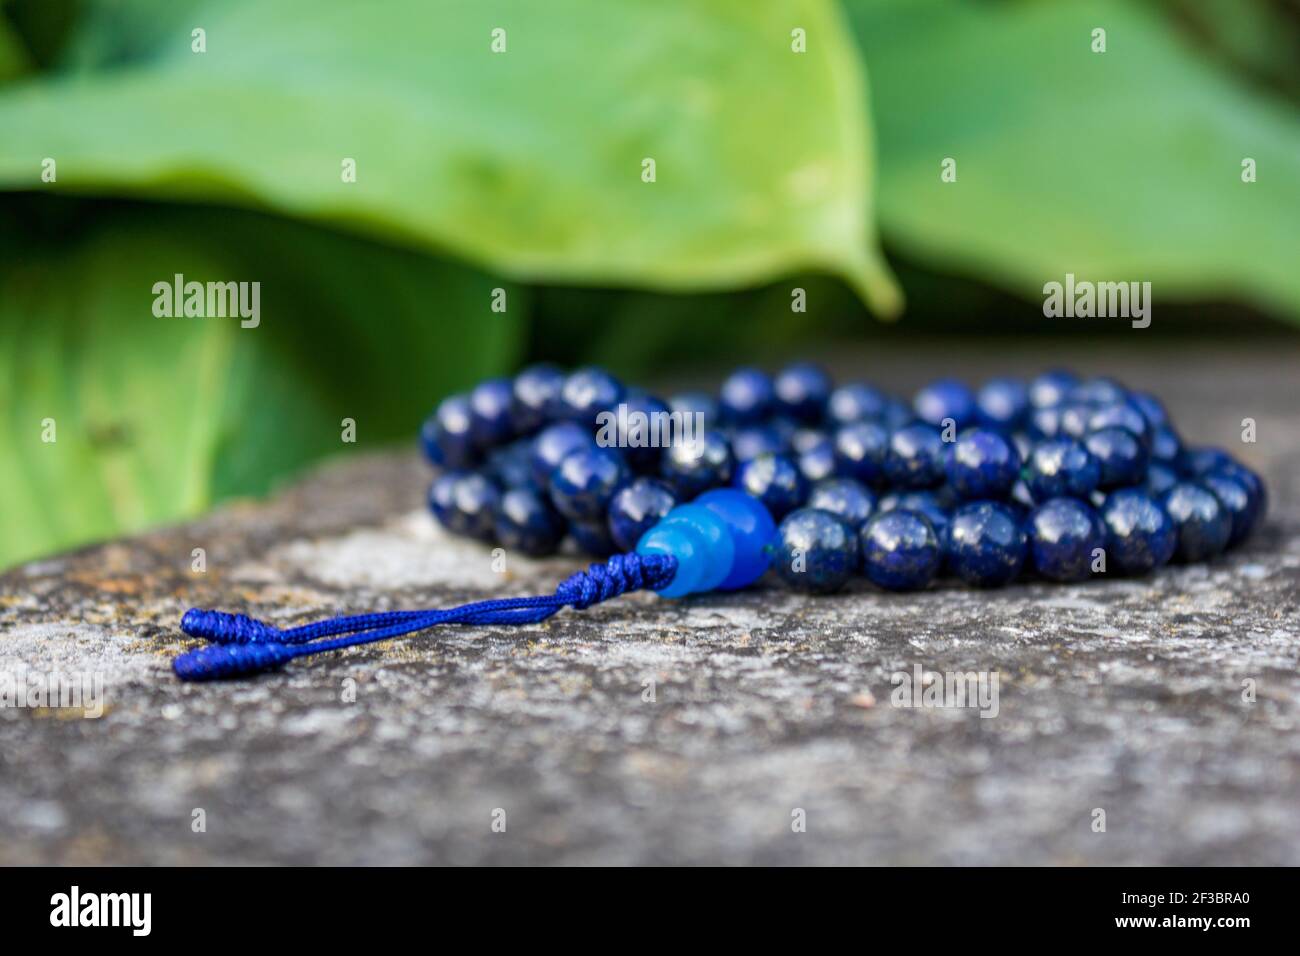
1098,391
593,537
1139,535
1122,457
802,391
586,481
720,549
1050,388
454,432
684,543
526,521
465,503
802,439
982,464
586,393
897,414
512,466
900,551
1166,446
534,395
775,481
814,551
429,442
1063,534
747,396
944,399
933,506
693,467
636,508
856,403
1121,415
1254,485
818,462
916,457
635,429
847,499
695,404
1160,478
754,440
1152,409
860,452
1202,524
553,444
985,544
1061,467
1002,403
752,531
1074,419
1236,500
1203,460
491,422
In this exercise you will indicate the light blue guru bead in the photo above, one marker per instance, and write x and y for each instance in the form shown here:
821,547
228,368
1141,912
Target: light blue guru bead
684,543
720,551
752,530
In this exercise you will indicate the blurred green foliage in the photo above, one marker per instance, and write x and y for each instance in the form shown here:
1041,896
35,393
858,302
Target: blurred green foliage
524,171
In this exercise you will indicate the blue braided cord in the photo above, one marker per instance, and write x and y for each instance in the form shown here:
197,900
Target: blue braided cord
246,645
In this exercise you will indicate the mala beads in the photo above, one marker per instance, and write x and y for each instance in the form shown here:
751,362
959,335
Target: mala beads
1059,478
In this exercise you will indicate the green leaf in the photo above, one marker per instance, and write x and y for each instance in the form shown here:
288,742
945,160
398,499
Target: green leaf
528,161
154,418
1123,165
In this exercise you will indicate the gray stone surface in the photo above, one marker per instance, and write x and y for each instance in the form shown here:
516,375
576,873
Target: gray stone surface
1122,695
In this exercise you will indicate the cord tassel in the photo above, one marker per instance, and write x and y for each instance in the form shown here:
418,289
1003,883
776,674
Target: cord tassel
245,645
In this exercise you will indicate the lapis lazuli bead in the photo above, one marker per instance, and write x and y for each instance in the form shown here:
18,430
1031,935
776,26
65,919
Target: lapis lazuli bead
774,480
860,452
534,396
429,442
1061,467
747,396
945,399
1254,485
900,550
1098,390
855,402
1166,446
1002,404
754,440
1139,535
814,551
985,544
455,432
526,521
818,462
1152,409
1160,478
553,444
752,531
512,465
1121,415
693,467
982,464
587,392
1051,387
593,537
636,508
1065,539
850,500
916,457
491,421
802,391
701,406
634,431
465,502
720,549
1235,498
1202,460
1121,456
935,507
1202,524
586,480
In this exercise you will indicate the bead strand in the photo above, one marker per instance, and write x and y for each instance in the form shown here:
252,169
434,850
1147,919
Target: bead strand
1059,477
